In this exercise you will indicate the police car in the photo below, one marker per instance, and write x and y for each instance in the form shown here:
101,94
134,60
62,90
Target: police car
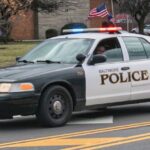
74,72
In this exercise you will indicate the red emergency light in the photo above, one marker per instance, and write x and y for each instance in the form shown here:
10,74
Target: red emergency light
110,29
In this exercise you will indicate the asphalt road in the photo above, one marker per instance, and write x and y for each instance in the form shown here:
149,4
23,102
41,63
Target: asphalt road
117,128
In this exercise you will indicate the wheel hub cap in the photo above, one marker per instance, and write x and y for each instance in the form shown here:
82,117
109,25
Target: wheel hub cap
57,107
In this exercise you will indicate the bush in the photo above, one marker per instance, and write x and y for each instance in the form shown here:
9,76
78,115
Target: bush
3,39
3,34
51,33
73,26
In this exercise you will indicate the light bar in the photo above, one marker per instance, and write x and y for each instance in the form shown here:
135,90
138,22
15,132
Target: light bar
108,29
81,30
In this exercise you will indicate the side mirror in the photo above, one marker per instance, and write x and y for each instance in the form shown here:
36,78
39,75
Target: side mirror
18,58
98,59
80,57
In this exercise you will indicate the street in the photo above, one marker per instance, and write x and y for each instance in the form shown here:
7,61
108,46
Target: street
117,128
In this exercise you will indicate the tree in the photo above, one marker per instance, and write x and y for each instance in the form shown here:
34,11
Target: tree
138,9
48,6
9,8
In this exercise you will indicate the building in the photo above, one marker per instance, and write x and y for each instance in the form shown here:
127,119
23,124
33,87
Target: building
59,19
31,25
79,14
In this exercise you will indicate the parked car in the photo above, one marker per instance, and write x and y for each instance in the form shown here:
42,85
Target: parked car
146,29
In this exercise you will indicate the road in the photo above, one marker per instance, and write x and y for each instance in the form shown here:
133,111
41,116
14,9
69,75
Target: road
117,128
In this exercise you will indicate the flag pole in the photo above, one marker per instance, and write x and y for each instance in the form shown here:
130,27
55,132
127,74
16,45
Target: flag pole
112,7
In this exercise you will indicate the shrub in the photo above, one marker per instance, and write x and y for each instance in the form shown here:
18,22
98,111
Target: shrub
51,33
3,34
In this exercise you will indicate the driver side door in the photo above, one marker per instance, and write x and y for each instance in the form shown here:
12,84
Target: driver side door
108,82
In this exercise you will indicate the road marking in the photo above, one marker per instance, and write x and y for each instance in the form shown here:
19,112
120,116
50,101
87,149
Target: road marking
62,138
130,139
66,142
85,143
100,120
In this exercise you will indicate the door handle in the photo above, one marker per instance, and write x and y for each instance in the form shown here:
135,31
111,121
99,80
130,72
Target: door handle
125,68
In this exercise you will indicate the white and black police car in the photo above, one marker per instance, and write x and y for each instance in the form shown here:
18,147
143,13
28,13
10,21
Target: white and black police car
74,72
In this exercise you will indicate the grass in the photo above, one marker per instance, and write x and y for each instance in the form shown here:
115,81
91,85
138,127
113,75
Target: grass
9,52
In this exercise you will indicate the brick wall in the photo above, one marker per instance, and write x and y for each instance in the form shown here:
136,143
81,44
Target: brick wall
23,26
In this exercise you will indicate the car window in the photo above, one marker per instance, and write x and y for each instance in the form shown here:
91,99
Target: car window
146,45
60,50
111,49
135,48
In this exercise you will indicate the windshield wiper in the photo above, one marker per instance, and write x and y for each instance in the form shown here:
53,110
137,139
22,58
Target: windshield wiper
49,61
26,61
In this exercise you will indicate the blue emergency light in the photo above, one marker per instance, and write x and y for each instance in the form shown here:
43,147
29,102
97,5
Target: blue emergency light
77,30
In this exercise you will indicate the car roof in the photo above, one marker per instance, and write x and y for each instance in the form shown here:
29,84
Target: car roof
99,36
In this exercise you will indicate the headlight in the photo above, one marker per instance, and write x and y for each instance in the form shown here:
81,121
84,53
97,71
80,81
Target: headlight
16,87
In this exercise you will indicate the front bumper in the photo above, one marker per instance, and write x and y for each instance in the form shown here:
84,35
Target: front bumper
18,104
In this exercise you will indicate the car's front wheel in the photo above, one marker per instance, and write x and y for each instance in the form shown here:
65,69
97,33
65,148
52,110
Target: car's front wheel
56,106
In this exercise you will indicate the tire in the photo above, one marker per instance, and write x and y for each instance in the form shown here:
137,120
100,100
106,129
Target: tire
55,108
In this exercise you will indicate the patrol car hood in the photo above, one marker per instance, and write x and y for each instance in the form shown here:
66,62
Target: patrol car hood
24,71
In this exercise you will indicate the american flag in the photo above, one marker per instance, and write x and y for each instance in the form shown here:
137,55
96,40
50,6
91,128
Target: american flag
111,18
100,11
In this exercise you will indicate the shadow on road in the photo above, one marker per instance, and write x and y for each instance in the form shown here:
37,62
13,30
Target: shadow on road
120,112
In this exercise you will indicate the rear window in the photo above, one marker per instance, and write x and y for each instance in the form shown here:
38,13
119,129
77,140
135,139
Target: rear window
135,48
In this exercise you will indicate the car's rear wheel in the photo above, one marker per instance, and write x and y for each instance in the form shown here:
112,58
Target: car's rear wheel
55,107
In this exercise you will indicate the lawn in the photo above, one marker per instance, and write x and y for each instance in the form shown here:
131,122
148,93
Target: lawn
9,52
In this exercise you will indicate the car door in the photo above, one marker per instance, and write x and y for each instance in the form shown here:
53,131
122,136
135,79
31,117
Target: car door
108,82
139,51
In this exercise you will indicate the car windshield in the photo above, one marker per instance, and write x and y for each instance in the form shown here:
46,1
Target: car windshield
59,50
